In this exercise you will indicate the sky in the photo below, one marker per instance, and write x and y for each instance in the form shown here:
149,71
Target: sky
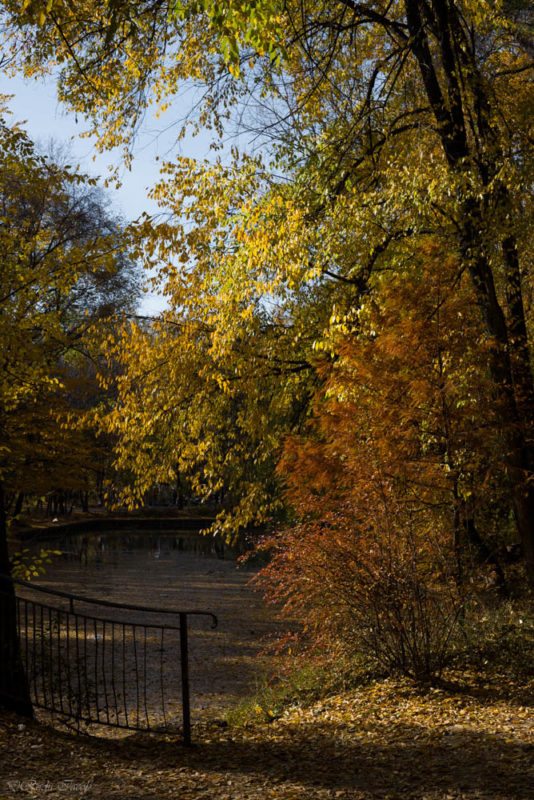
35,102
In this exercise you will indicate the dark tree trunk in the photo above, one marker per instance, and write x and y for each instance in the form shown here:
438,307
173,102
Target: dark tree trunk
18,504
484,553
14,694
440,59
84,499
512,381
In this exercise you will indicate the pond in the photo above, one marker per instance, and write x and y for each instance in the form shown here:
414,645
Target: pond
120,547
181,571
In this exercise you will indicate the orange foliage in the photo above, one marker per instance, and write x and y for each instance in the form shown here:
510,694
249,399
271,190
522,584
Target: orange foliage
397,446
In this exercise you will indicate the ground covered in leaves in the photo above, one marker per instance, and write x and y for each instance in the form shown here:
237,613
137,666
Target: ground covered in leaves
385,740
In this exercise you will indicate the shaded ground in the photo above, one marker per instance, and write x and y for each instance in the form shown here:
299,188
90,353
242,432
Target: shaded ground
385,741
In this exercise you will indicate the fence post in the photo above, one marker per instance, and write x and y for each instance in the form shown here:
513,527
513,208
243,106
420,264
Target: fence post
184,663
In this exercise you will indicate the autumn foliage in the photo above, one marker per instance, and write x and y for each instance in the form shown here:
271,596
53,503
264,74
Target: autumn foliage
386,481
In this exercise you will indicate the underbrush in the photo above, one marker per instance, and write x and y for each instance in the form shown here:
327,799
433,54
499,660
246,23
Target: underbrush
492,650
496,640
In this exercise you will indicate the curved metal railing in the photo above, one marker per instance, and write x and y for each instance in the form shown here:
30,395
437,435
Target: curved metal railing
101,667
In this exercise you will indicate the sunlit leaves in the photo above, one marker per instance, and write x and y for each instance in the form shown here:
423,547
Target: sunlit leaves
237,23
372,149
398,448
62,268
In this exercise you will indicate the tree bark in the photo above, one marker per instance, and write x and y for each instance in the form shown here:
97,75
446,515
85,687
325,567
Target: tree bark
14,693
510,367
18,504
512,387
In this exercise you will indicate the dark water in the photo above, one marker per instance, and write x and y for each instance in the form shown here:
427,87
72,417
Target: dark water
122,549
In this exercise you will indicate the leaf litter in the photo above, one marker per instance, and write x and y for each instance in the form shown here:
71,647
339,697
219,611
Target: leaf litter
388,740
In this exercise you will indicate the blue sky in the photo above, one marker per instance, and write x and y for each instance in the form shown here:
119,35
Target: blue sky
36,103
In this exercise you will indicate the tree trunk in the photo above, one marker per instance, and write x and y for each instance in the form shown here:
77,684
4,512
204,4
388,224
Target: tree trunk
485,554
518,456
523,497
84,498
18,504
14,694
510,358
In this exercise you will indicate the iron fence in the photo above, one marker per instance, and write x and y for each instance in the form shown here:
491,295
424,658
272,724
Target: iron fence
96,662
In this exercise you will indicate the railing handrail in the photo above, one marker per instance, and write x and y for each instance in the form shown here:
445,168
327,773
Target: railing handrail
109,603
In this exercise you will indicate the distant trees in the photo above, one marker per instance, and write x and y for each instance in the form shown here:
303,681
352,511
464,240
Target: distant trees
64,268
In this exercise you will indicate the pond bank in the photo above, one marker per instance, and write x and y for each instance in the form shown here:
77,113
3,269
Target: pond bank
165,562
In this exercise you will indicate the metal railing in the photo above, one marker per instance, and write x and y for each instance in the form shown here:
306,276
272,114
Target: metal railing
114,666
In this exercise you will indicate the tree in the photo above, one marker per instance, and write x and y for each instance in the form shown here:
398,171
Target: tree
209,410
46,454
387,120
75,274
56,256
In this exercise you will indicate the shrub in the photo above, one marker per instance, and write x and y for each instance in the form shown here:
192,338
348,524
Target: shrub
390,597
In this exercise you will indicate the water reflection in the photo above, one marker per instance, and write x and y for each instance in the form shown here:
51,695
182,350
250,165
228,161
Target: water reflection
116,548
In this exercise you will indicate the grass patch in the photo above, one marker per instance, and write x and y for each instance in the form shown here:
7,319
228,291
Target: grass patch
301,683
